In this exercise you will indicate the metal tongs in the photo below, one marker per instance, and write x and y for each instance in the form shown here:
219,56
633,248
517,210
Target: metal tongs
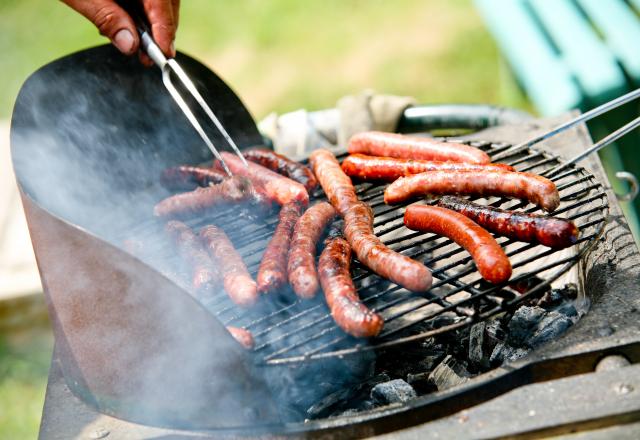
623,175
170,65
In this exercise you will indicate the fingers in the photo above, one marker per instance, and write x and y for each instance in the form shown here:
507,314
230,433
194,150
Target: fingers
112,22
163,24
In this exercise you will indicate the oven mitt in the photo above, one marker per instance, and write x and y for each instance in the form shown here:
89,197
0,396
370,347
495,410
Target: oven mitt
297,133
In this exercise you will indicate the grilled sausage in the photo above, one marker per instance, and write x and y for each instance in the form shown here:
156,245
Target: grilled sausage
205,277
236,278
243,336
358,220
376,143
272,273
536,189
303,276
233,190
186,177
490,259
278,188
282,165
550,231
389,169
347,310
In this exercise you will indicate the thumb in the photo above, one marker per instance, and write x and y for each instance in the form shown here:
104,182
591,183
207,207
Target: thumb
112,22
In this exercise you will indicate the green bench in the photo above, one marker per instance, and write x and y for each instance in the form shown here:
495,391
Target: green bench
569,54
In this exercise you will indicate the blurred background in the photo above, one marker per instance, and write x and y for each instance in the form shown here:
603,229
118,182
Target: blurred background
278,55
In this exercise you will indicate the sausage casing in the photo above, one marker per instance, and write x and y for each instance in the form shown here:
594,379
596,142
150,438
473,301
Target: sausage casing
490,259
376,143
528,186
303,275
531,228
282,165
236,278
186,177
243,336
347,310
388,169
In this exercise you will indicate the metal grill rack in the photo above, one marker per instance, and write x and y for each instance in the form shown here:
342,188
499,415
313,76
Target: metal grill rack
288,330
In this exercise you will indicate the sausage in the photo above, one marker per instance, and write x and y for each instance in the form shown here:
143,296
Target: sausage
389,169
282,165
186,177
278,188
347,310
549,231
301,267
272,273
536,189
205,277
233,190
358,220
490,259
236,278
243,336
376,143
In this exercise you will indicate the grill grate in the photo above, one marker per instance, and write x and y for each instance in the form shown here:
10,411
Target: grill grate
288,330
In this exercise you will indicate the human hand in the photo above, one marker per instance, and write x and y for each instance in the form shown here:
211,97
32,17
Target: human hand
116,24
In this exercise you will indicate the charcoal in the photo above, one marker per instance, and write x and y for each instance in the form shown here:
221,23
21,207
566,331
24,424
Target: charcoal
523,324
567,309
449,373
342,397
429,361
394,391
503,353
551,326
476,342
494,333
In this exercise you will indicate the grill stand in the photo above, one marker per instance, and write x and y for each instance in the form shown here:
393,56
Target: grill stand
610,275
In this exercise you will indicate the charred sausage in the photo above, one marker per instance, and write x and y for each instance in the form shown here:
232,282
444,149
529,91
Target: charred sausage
389,169
282,165
186,177
490,259
358,220
243,336
549,231
347,310
536,189
376,143
272,273
301,267
236,278
278,188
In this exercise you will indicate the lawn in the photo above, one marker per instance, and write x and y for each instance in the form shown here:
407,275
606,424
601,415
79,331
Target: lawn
279,55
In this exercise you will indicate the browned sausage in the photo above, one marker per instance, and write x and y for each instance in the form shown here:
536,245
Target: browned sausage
282,165
532,228
233,190
205,277
347,310
490,259
278,188
272,273
236,278
301,267
186,177
389,169
358,220
376,143
536,189
243,336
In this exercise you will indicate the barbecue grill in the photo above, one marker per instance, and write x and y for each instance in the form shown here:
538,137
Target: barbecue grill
112,293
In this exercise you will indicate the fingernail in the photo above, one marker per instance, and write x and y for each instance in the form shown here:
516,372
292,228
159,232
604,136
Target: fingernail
124,41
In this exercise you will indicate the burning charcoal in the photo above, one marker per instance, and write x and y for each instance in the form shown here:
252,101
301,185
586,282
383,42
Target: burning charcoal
505,353
394,391
476,344
523,324
449,373
551,326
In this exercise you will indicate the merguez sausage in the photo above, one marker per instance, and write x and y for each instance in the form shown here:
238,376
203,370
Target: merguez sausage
236,278
531,228
376,143
282,165
347,310
358,229
303,276
536,189
272,273
490,259
389,169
